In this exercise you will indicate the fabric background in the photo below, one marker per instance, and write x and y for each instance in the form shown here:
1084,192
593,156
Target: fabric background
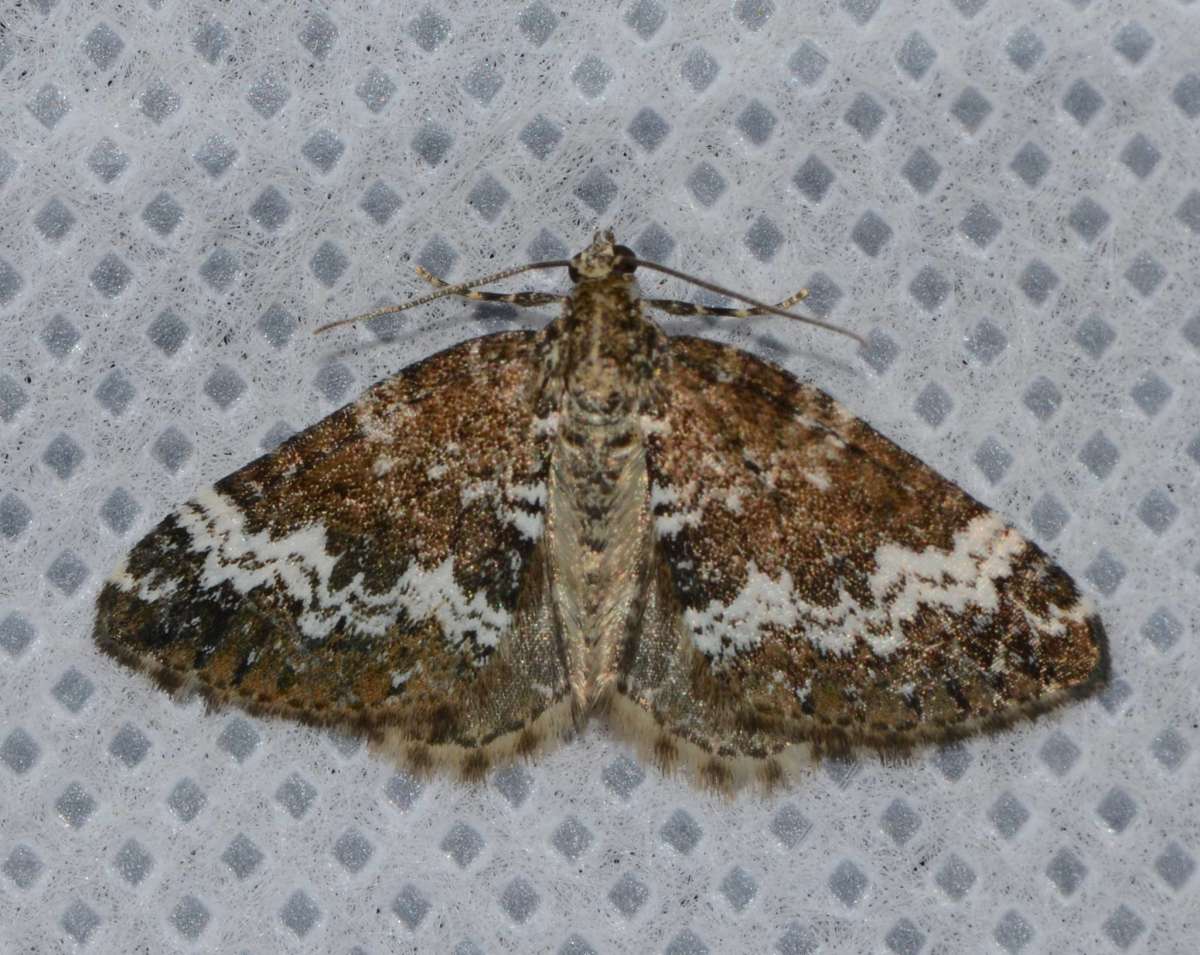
1003,196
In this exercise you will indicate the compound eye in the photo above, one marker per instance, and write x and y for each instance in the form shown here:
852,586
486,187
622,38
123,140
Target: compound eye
626,259
572,272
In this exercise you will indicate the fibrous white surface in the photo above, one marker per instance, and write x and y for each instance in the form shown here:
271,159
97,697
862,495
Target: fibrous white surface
1003,196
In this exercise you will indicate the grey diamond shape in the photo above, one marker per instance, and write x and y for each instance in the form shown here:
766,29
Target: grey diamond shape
158,102
592,76
541,136
953,759
1140,156
73,690
798,940
537,21
1082,102
54,220
645,17
186,799
1038,281
681,832
1088,218
242,856
22,866
916,56
905,938
764,239
807,63
462,844
933,404
107,160
103,46
67,573
1012,933
986,342
115,392
880,351
955,878
1145,274
299,913
789,825
870,233
483,82
864,115
49,105
271,209
971,109
1189,214
1094,336
296,795
596,190
239,739
328,263
848,883
628,895
699,69
380,202
1066,871
921,171
429,30
752,14
1151,393
318,35
268,94
1170,749
323,149
899,821
133,862
168,332
19,751
514,783
1133,41
16,633
1157,511
79,921
1105,573
130,745
756,122
162,214
861,10
488,198
980,225
376,90
1124,927
571,838
519,899
648,129
1175,866
623,776
60,336
1030,164
1008,814
75,805
215,155
63,456
219,269
1162,629
1117,809
12,398
111,276
929,288
210,41
739,888
1042,398
190,917
1025,48
654,244
15,516
410,907
333,380
1186,95
813,179
1049,517
277,325
1059,753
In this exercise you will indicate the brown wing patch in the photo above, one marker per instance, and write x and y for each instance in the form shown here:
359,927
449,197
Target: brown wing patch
379,572
830,587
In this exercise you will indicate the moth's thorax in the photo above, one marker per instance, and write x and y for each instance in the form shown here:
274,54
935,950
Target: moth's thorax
609,348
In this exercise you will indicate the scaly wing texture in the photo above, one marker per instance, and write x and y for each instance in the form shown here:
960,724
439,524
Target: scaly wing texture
382,572
817,583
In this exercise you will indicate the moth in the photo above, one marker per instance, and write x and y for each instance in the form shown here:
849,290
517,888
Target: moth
595,519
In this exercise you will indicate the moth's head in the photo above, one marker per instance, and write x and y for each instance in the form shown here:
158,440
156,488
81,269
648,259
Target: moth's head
602,258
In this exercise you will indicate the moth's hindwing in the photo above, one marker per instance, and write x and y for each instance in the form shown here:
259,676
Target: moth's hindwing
819,583
380,572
